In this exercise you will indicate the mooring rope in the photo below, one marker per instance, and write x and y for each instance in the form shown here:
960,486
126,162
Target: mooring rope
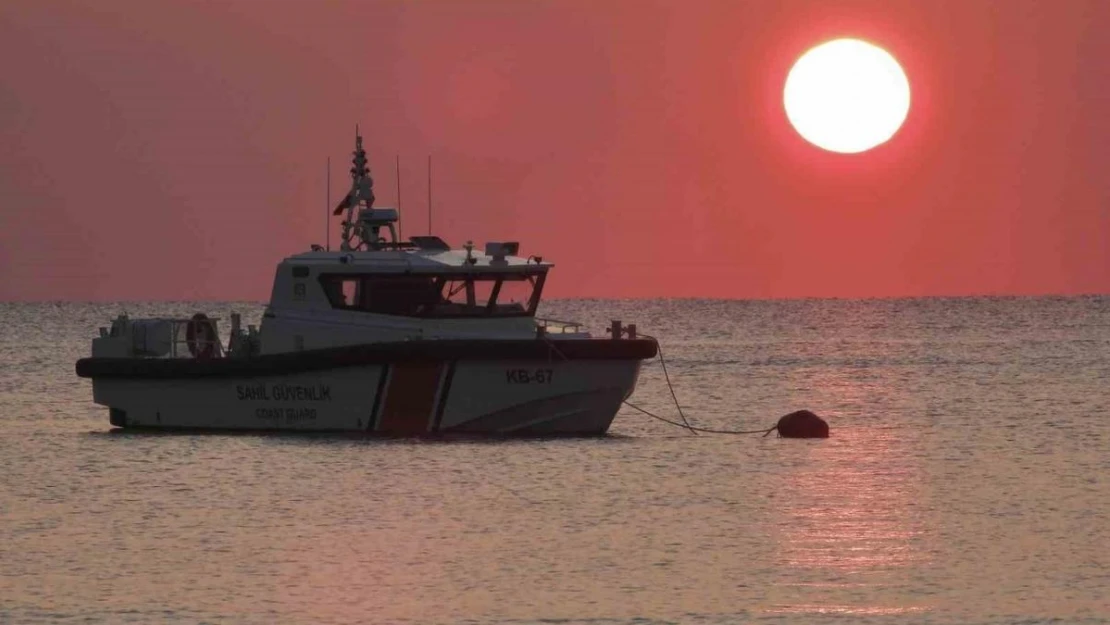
685,423
697,429
667,376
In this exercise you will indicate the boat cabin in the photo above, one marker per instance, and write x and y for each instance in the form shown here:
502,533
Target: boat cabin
380,287
415,282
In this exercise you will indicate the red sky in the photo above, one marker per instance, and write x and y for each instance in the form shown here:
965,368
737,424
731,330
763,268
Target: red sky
176,149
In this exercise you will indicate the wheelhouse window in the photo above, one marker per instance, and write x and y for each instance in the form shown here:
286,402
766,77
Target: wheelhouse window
436,295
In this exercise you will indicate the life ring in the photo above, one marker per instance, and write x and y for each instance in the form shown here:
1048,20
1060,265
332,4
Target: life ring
201,337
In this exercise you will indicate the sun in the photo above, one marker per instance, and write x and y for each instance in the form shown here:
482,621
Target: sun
846,96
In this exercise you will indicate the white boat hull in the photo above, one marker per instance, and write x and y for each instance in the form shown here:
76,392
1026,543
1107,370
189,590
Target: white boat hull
408,398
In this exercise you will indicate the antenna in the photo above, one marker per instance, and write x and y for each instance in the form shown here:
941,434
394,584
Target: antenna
397,168
429,195
327,205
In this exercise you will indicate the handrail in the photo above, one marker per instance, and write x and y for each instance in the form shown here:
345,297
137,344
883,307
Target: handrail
560,326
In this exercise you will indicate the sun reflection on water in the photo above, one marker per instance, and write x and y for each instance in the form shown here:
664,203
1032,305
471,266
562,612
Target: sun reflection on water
849,529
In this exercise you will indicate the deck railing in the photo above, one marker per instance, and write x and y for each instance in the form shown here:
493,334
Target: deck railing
556,326
169,338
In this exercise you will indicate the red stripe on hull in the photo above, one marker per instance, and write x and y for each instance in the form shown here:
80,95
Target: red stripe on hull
410,398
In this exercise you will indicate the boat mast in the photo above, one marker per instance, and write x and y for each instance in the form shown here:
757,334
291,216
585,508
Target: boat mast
327,205
429,195
361,194
397,169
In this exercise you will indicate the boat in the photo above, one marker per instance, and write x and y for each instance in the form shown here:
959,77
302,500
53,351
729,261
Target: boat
383,336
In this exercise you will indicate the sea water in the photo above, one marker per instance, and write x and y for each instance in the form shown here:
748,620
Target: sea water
965,481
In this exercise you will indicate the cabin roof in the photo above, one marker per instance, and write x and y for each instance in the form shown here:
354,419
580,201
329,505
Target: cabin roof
420,260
